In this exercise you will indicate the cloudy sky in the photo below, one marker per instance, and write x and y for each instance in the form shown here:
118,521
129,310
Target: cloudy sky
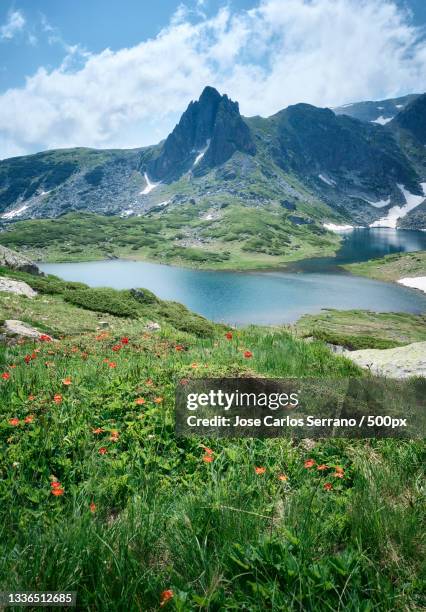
118,73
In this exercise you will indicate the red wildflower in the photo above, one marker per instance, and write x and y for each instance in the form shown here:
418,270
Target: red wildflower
260,470
92,507
309,463
27,358
55,484
207,458
165,596
57,398
228,335
248,354
5,376
67,381
124,341
328,486
57,492
322,467
116,348
14,422
102,450
45,338
112,364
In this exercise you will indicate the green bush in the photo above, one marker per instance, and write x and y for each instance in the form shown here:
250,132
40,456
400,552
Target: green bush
103,299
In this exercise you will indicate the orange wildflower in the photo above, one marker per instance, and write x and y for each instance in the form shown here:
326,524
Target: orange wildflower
309,463
29,418
139,401
158,400
328,486
92,507
260,470
67,381
14,422
102,450
322,467
166,596
207,458
248,354
57,398
282,477
5,376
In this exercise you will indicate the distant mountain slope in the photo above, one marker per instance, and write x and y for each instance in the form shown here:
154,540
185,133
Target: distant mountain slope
311,163
379,111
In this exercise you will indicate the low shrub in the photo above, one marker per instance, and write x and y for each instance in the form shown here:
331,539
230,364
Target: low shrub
103,299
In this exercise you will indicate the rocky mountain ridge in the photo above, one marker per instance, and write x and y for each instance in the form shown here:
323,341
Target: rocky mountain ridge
325,165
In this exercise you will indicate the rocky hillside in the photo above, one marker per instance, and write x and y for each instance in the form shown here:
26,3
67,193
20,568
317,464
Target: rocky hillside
315,164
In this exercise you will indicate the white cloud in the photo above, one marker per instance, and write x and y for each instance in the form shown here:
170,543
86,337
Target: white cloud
326,52
14,24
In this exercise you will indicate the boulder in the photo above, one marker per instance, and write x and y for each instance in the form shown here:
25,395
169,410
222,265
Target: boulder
14,330
16,261
400,362
151,326
17,287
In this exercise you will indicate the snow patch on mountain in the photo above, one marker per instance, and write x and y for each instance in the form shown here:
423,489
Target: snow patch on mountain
382,120
201,154
417,282
17,212
338,228
149,186
397,212
327,180
379,203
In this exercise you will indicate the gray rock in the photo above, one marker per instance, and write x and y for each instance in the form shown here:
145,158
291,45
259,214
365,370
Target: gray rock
13,329
15,261
17,287
151,326
400,362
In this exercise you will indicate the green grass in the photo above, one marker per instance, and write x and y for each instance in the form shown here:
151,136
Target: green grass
360,329
218,535
240,237
391,267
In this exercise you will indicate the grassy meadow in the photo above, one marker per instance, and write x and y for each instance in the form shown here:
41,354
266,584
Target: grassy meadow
98,495
216,233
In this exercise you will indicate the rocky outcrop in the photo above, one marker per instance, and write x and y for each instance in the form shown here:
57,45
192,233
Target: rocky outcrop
209,132
15,261
9,285
400,362
13,330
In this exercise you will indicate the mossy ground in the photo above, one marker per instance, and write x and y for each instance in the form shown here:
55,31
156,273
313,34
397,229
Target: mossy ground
391,267
142,512
359,329
237,237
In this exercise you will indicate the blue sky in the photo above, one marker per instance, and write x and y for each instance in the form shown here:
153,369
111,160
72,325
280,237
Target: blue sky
119,73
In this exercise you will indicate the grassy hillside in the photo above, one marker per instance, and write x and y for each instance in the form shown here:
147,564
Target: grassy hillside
99,496
391,267
217,235
359,329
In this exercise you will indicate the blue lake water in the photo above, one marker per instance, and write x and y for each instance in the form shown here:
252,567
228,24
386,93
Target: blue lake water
267,297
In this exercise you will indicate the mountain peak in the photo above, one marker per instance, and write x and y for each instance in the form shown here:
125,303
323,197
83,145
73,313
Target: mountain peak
209,132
